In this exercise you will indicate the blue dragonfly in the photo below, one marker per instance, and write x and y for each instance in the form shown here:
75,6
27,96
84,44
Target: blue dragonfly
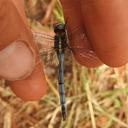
58,43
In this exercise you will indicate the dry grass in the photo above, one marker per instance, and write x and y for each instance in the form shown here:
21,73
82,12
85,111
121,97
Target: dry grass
95,98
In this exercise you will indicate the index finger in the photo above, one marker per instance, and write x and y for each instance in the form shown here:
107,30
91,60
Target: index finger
85,55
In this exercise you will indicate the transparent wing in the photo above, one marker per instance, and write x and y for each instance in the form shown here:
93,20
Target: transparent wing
45,42
50,62
82,51
46,45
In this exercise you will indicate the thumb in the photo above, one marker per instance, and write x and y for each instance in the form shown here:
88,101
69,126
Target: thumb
32,87
77,34
14,27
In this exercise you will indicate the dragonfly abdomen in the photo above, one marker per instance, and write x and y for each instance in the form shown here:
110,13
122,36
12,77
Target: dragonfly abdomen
60,45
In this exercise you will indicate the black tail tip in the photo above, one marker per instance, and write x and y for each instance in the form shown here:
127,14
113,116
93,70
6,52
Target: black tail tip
64,113
64,116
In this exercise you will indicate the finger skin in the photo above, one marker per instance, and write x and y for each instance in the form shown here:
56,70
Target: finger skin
16,61
14,26
31,88
77,34
106,23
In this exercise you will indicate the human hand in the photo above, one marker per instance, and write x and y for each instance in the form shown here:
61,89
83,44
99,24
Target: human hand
101,28
20,63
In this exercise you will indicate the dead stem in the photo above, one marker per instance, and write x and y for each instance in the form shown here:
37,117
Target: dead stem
48,12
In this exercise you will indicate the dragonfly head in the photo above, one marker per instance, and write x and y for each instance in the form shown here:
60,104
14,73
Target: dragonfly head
59,28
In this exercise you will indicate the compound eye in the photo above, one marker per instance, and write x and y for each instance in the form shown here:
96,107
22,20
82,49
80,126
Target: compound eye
59,28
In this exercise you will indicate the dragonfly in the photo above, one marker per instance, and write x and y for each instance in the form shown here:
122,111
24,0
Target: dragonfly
60,42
